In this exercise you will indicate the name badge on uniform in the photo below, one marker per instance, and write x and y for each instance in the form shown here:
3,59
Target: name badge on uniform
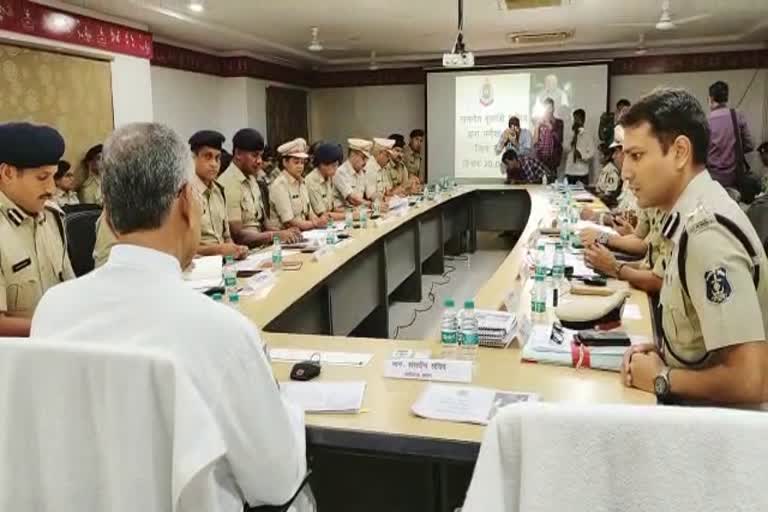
21,265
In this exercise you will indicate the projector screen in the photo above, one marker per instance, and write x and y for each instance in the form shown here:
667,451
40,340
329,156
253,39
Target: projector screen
468,110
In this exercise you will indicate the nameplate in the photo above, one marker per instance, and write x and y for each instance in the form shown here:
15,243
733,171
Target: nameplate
442,370
322,252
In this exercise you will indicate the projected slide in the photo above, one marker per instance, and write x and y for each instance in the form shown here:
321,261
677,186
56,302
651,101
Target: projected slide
483,107
467,111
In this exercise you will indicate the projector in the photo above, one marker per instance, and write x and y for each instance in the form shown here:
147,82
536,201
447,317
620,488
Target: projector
458,60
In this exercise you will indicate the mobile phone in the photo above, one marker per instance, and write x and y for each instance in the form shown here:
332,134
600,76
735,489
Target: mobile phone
594,281
594,338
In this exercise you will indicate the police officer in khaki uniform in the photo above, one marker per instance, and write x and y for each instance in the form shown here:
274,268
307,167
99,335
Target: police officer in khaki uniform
33,247
377,185
714,300
65,185
105,240
349,181
396,169
215,237
288,194
90,190
320,180
412,154
248,218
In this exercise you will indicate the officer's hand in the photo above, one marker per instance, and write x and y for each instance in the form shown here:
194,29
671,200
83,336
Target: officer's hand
321,222
600,258
588,213
623,226
626,375
589,236
289,236
231,250
643,370
242,252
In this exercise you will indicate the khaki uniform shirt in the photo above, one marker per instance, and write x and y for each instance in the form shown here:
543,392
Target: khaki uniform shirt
33,256
397,173
66,198
412,161
348,182
105,240
289,199
723,307
321,192
377,183
649,222
90,192
244,203
214,225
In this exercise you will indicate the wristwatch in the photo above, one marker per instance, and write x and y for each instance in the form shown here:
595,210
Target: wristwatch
603,239
661,385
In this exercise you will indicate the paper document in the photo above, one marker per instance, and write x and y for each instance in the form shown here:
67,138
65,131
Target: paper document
584,224
204,273
288,355
465,404
256,260
631,312
340,397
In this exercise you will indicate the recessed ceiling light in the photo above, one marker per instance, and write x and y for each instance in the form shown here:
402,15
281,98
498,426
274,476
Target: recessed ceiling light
196,6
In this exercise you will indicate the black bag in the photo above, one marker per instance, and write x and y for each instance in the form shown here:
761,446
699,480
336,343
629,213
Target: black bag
747,183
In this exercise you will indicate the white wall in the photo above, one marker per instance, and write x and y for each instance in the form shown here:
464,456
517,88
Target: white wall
374,111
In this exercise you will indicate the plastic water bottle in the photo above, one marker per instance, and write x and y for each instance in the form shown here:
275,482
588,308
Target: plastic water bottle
330,236
565,230
544,179
470,332
539,299
541,259
377,208
349,219
363,216
448,330
558,273
277,254
230,275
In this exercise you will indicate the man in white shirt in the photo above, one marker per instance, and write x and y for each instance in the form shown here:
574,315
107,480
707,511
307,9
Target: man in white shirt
139,298
579,161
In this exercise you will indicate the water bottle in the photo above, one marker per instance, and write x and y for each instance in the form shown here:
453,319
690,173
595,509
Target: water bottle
230,275
377,208
363,216
541,259
470,332
330,236
558,273
277,254
544,179
565,230
448,327
539,299
349,219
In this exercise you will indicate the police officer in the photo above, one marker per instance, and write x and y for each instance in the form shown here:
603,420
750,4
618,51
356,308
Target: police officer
412,154
90,190
397,172
714,299
349,181
288,194
246,212
378,186
320,180
214,226
65,185
33,248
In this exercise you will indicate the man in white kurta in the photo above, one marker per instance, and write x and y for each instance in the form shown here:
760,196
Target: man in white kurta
139,298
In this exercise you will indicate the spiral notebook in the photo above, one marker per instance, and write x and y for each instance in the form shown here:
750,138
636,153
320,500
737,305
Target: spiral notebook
496,328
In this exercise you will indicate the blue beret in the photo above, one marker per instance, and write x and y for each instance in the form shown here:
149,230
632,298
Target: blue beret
27,146
208,138
327,153
248,139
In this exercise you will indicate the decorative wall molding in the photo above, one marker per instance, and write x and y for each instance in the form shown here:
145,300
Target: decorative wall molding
25,17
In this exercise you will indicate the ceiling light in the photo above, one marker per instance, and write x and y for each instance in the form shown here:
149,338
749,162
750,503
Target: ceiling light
59,23
196,6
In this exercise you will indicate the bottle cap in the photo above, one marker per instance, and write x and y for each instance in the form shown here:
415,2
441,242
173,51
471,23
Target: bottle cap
217,297
469,304
449,303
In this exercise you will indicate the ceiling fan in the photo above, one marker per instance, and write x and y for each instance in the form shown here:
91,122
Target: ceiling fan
315,45
665,20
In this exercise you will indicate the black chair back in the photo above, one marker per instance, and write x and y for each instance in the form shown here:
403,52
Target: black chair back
758,215
81,238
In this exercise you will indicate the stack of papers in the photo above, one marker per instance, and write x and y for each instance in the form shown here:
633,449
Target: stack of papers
542,347
398,202
465,404
584,224
204,272
256,260
329,397
288,355
497,328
